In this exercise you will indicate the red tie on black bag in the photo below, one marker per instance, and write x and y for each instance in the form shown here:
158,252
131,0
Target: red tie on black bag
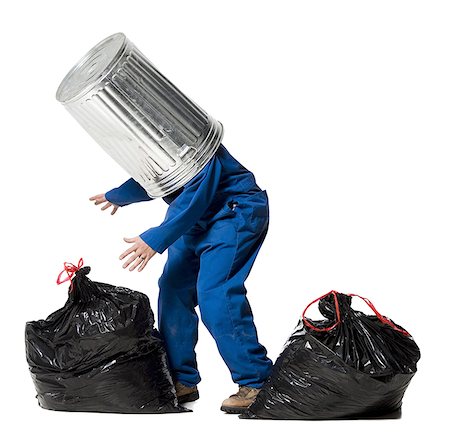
382,318
70,269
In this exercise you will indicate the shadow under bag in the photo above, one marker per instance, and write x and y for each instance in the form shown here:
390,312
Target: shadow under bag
100,353
350,365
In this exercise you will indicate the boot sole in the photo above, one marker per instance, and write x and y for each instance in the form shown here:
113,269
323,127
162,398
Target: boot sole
188,397
233,410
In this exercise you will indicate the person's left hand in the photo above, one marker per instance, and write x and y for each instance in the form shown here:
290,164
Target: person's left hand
141,254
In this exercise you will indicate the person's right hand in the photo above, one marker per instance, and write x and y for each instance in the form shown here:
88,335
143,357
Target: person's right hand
100,198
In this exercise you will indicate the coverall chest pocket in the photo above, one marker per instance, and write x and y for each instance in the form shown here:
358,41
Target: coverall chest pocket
227,211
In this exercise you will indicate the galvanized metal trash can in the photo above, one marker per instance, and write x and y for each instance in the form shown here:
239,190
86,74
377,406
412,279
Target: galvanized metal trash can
156,133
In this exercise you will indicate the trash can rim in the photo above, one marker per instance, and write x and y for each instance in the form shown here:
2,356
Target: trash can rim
67,93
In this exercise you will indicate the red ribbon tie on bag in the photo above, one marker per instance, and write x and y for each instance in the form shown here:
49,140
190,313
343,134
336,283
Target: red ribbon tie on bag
70,269
380,317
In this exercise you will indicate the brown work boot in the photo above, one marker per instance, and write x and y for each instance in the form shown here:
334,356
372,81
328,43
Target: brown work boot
186,393
239,402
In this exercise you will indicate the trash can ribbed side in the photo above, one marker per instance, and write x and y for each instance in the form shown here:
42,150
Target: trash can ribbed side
143,121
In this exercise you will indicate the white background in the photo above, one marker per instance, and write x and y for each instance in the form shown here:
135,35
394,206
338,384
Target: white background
341,111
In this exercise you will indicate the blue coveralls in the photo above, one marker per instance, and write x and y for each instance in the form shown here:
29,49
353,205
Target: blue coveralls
213,230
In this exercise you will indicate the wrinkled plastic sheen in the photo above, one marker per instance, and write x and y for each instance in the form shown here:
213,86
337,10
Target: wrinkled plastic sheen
100,353
359,369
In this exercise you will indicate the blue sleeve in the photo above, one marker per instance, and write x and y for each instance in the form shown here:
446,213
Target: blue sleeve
187,208
129,192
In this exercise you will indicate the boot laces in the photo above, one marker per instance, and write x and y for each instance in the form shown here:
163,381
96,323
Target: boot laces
243,391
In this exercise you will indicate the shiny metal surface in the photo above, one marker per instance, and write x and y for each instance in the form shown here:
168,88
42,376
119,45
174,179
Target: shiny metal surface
156,133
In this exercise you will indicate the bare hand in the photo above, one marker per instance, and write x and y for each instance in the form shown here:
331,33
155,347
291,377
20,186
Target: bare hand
141,254
100,198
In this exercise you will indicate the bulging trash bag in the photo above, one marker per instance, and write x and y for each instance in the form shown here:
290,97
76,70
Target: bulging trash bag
100,352
349,365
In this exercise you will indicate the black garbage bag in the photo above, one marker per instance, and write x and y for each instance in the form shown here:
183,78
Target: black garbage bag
349,365
100,352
